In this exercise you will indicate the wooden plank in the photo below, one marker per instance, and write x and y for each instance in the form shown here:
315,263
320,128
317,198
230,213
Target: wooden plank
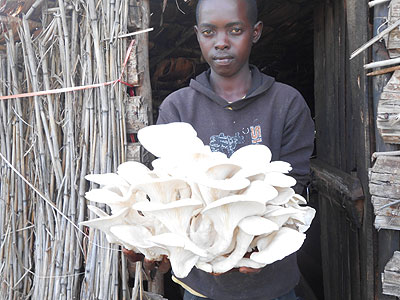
337,243
136,114
340,86
388,111
385,191
134,19
326,240
390,178
354,257
326,98
358,34
393,40
142,42
132,68
387,164
384,222
391,276
341,187
381,207
319,74
133,152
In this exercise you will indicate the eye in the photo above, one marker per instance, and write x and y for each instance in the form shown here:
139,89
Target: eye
206,32
236,30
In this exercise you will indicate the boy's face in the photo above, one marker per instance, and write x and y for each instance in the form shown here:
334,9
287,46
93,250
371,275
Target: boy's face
225,35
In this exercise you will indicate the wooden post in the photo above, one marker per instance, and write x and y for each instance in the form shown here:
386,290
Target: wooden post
157,284
139,107
144,89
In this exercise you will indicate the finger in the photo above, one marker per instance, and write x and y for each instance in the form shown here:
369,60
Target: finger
149,264
247,270
165,265
132,256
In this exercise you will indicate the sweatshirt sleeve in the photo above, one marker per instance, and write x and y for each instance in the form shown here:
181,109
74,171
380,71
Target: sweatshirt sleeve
168,111
298,143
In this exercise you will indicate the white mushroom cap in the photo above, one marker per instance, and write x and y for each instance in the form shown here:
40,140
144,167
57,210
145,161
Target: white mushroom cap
257,225
283,197
261,191
107,179
189,165
135,237
278,179
278,166
169,140
165,190
279,245
183,254
220,181
304,216
174,215
256,159
280,215
249,263
118,201
201,231
106,222
248,228
222,264
204,266
300,216
299,199
226,213
134,172
97,211
252,158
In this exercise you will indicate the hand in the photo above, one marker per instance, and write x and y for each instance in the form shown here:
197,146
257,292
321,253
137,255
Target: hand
132,256
150,266
247,270
161,266
244,270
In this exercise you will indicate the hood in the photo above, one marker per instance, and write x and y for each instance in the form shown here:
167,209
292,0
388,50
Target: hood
260,84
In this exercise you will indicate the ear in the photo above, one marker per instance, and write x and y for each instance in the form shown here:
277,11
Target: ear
196,31
257,30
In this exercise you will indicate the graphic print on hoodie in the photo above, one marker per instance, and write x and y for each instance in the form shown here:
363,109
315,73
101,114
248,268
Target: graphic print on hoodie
228,144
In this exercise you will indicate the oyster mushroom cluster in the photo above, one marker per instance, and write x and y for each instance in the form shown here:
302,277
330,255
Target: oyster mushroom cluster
201,208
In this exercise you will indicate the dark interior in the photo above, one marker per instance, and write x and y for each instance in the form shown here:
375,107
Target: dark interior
285,51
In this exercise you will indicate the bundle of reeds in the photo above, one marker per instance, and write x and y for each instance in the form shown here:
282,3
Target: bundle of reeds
49,143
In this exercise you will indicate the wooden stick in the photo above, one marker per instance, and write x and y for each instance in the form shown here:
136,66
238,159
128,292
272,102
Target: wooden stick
375,155
376,2
384,71
134,33
375,39
33,7
382,63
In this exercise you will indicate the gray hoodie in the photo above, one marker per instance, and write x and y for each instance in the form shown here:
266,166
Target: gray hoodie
273,114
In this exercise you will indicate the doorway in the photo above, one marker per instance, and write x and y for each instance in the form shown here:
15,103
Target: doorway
285,51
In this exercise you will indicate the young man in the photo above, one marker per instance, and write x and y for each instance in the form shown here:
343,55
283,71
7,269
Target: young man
232,105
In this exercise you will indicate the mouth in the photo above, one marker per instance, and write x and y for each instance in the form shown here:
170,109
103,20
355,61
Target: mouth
223,60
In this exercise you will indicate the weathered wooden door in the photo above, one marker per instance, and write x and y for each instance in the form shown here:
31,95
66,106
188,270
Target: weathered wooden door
343,142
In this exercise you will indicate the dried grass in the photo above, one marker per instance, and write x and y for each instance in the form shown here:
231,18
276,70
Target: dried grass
53,141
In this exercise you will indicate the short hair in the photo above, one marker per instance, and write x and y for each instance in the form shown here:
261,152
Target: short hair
252,12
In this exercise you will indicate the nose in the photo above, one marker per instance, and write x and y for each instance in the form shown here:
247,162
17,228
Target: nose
222,41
